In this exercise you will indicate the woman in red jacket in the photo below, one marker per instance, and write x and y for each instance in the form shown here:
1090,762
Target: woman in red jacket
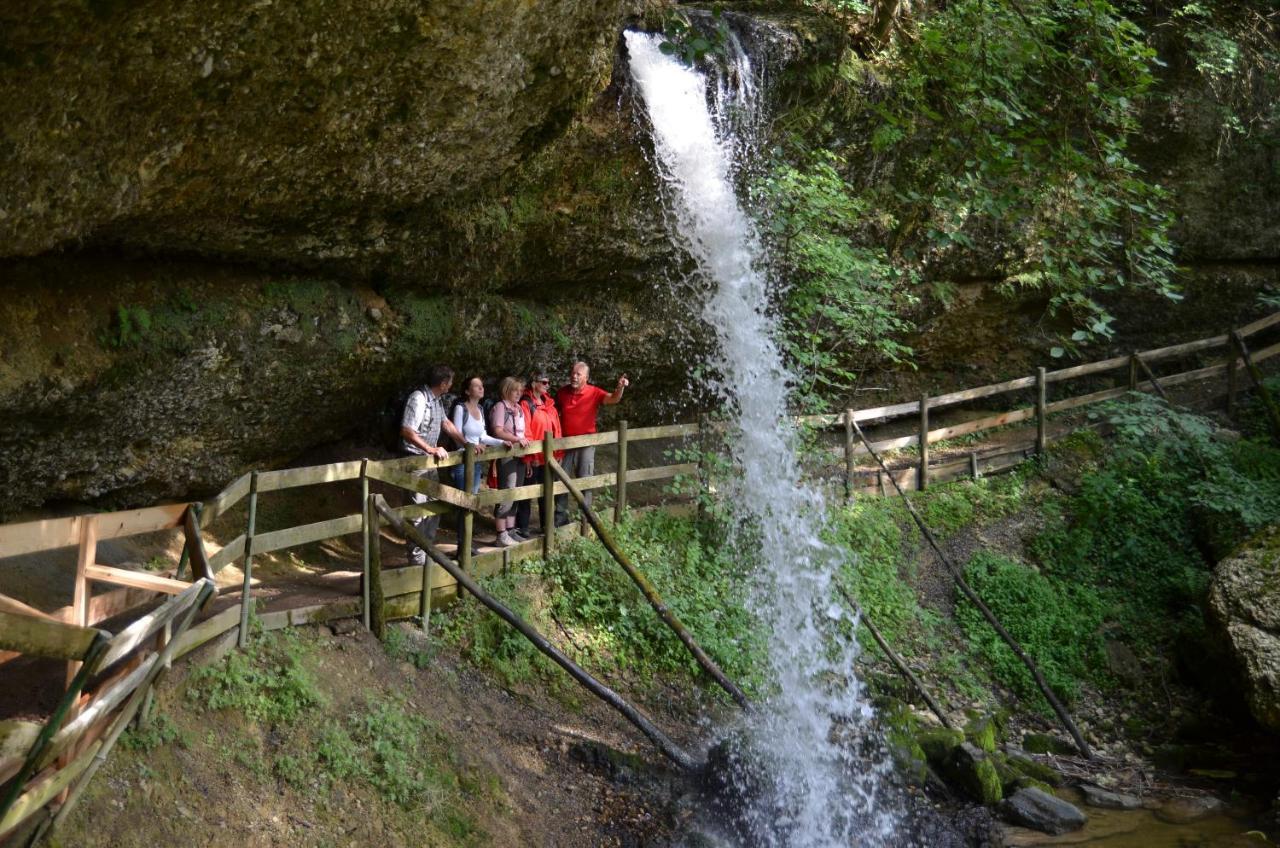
541,419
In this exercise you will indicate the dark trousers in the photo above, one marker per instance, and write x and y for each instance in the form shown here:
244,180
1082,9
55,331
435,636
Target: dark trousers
524,509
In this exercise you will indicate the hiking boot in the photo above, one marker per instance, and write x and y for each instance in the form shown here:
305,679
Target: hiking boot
519,535
504,540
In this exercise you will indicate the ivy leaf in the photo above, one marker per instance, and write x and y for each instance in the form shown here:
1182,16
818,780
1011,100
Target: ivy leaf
1056,352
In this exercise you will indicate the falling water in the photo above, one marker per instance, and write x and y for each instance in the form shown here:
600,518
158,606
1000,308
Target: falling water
818,778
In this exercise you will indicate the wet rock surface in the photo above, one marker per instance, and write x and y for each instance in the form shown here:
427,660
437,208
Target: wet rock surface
1037,809
1244,600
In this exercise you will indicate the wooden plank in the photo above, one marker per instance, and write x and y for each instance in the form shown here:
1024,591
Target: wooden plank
144,628
412,511
669,431
1085,370
570,442
660,472
979,424
1184,349
136,579
40,637
17,607
293,536
891,411
116,525
422,485
210,628
1086,400
314,614
225,499
408,580
1259,325
289,478
110,604
830,419
32,536
981,392
102,704
35,799
229,553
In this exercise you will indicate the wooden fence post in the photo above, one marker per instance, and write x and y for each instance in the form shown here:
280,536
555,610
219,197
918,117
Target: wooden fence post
922,476
367,538
377,603
848,455
1042,414
246,599
468,517
974,471
620,491
1233,359
548,498
1133,372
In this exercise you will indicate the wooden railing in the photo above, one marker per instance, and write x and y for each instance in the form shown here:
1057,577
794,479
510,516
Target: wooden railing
871,480
59,751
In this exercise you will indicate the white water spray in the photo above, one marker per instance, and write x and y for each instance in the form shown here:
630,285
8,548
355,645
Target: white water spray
815,792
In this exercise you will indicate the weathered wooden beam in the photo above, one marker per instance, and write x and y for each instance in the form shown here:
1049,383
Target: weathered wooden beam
207,630
41,637
289,478
17,607
144,628
246,592
224,500
194,546
135,579
292,537
620,491
229,553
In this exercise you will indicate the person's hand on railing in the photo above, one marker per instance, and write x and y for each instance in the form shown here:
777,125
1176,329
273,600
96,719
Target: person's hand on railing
479,447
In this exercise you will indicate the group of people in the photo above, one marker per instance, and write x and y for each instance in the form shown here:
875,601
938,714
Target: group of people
524,413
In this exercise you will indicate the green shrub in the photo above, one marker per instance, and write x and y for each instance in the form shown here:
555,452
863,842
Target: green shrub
1058,624
268,682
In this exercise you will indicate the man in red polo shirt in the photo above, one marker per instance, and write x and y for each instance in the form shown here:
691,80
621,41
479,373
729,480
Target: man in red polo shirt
579,402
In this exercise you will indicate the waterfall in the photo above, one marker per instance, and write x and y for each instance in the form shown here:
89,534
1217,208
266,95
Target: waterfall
818,776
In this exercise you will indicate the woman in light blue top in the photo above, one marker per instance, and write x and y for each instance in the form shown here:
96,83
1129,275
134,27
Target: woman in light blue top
468,417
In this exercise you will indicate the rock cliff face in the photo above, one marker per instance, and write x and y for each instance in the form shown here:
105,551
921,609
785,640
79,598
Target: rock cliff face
231,231
1245,601
310,133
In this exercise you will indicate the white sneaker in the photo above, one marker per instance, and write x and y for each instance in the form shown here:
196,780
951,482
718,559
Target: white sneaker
504,540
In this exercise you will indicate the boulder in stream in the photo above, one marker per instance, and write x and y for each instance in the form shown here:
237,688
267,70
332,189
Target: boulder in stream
1039,810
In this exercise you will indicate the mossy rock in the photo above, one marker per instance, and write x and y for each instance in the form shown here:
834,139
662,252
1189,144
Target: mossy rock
938,743
909,756
973,772
1035,771
983,733
1046,743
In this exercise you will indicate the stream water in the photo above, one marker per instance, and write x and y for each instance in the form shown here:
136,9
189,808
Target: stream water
804,791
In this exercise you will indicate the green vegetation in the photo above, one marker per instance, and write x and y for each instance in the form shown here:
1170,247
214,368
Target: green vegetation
967,134
267,683
1057,622
288,728
582,590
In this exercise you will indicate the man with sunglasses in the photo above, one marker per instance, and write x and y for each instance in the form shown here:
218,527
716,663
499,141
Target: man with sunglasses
541,419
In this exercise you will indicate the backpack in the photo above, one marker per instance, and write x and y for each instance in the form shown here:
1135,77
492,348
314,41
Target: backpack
390,416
